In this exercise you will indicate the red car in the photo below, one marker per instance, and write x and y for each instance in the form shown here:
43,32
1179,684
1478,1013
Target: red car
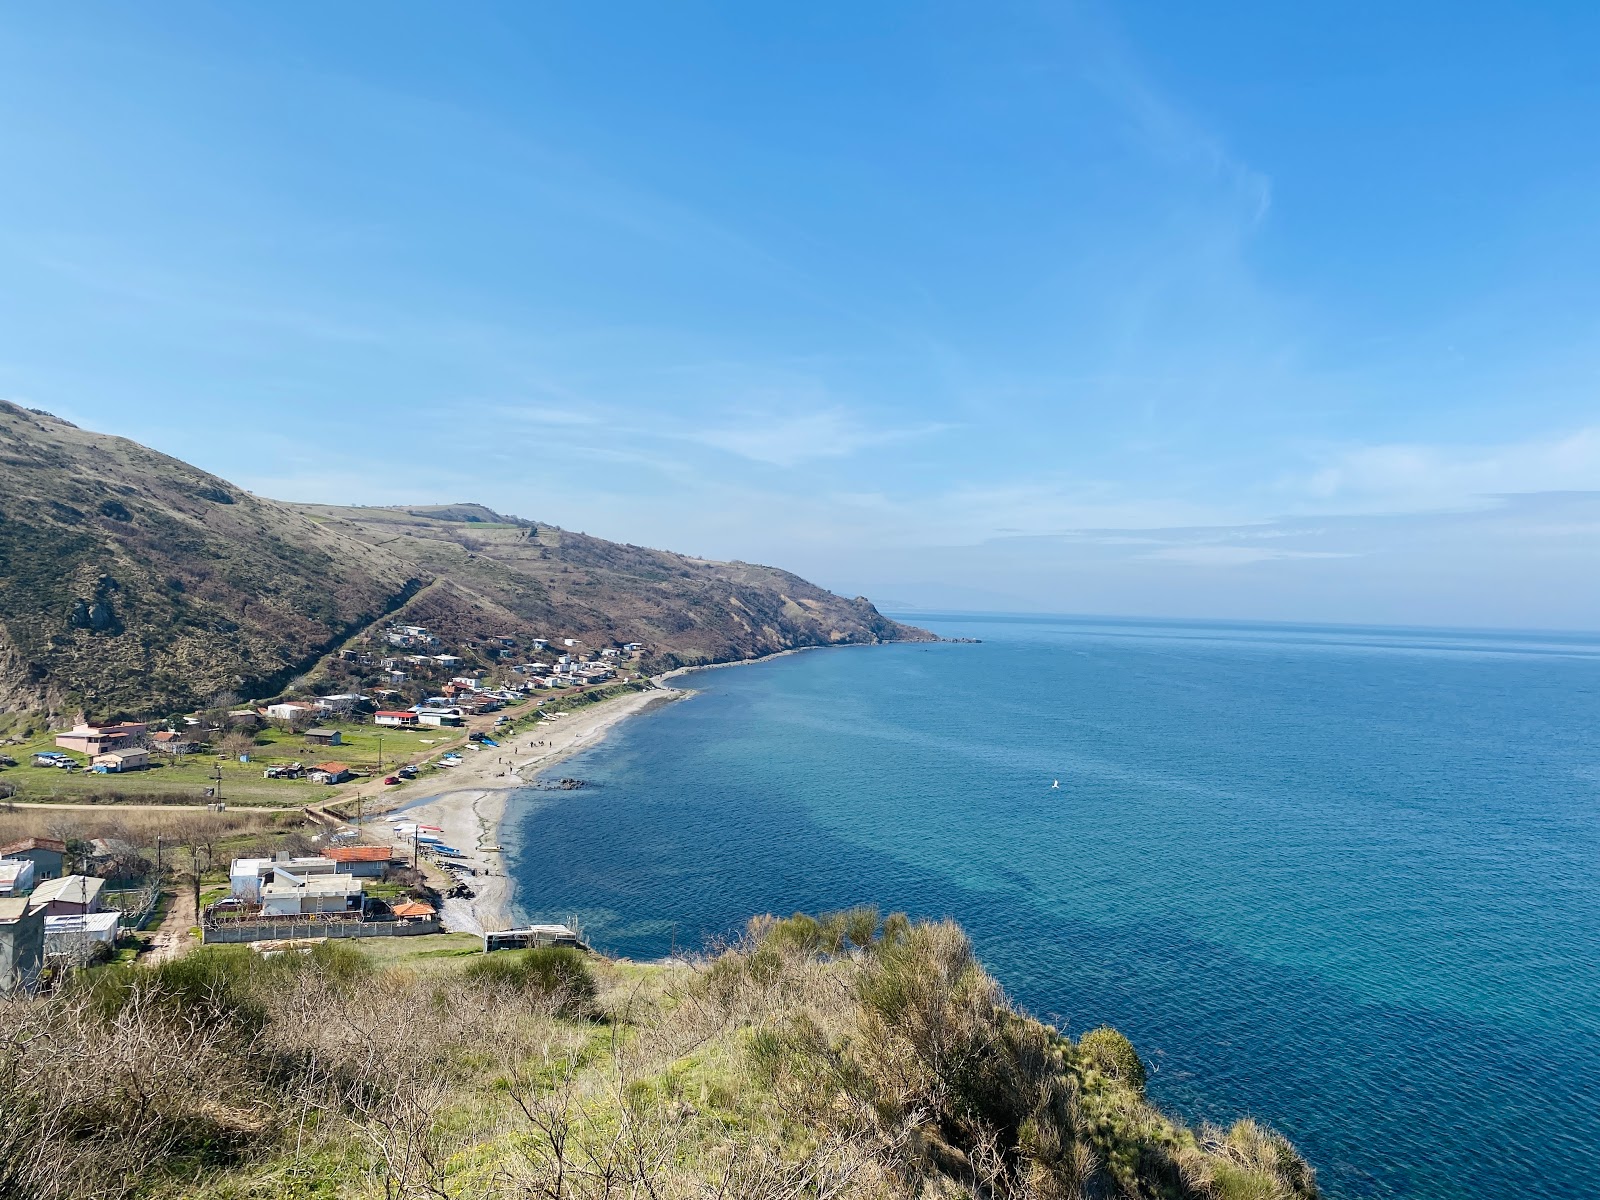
391,779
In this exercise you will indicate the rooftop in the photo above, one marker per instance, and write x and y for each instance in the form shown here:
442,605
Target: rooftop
70,889
34,843
360,853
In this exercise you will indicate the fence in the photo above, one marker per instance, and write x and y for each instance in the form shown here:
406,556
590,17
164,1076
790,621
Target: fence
292,927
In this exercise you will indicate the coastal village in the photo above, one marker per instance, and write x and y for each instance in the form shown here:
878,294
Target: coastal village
284,822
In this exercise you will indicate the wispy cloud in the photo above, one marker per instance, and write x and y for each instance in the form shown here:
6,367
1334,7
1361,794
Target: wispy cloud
1235,556
787,441
1400,477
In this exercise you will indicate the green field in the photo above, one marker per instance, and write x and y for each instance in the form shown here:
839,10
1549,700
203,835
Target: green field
185,778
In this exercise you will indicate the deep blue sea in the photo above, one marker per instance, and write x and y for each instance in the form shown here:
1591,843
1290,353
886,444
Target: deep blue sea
1343,880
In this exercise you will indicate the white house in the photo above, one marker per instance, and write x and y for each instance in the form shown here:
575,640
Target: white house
396,718
447,660
439,716
569,641
287,711
246,875
290,895
16,876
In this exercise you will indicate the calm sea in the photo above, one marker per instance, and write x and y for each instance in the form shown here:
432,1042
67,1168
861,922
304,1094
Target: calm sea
1344,880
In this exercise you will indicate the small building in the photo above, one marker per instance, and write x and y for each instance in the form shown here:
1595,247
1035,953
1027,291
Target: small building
342,703
329,772
409,910
48,855
324,737
364,862
79,937
447,660
569,641
21,945
396,718
289,895
16,876
166,741
287,711
69,895
439,717
117,761
97,739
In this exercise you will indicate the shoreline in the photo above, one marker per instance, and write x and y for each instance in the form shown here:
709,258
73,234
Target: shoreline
469,804
469,807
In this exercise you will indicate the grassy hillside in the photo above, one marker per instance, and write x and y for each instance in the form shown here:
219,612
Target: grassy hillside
131,582
501,574
847,1058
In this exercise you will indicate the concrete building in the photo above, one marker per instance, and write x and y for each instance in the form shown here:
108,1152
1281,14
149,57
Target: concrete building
48,856
21,945
16,877
98,739
291,896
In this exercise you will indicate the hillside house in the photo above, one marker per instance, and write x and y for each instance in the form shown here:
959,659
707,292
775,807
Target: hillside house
247,876
442,717
289,895
167,741
329,773
343,703
324,737
77,937
448,661
21,945
99,739
118,761
16,877
287,711
364,862
71,894
395,718
48,855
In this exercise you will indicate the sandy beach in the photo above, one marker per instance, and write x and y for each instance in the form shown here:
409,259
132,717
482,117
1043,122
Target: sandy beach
468,802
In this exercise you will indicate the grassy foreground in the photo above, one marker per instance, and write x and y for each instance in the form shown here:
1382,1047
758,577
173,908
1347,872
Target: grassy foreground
847,1057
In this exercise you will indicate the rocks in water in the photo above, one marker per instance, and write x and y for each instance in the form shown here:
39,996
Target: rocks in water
560,785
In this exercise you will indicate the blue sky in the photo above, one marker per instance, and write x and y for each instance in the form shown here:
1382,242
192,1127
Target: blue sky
1236,309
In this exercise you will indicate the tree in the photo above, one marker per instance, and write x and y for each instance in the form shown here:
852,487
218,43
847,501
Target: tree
236,742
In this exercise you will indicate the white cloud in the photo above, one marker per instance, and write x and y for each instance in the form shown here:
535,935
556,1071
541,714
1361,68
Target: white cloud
787,441
1234,556
1400,477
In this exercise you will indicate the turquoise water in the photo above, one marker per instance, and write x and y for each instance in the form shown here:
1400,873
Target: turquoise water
1344,880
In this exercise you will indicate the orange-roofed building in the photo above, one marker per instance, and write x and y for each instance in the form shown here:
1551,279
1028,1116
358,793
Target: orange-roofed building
413,908
366,862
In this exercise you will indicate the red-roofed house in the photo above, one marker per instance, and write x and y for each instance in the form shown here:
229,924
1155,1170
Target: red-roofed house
407,909
394,718
329,772
367,862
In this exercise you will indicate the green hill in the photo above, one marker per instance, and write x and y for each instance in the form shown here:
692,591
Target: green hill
848,1058
132,582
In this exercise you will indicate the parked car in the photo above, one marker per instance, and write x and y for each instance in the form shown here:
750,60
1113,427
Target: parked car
407,772
391,779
